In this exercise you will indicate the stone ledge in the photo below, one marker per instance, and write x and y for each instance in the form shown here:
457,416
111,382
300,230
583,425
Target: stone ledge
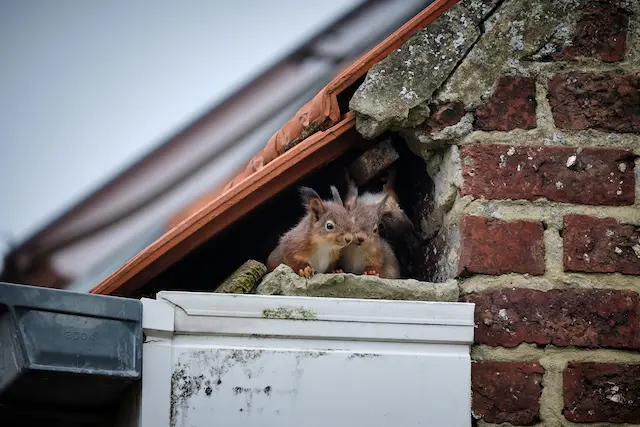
283,281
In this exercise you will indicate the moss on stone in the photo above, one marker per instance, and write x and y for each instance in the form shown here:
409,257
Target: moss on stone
244,278
518,30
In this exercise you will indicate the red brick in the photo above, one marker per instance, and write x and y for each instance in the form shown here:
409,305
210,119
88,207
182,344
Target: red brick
609,102
598,176
602,392
577,317
507,392
445,115
512,106
600,32
600,245
491,246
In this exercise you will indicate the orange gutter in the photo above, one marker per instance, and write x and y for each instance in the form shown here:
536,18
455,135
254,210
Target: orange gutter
301,146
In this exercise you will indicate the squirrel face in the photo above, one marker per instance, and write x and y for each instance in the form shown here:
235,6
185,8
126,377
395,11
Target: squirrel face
330,223
392,219
367,213
367,221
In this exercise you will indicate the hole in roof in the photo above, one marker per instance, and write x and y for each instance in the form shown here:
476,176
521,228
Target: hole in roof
256,234
345,96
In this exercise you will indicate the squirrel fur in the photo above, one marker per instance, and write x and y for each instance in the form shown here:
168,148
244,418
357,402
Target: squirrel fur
368,253
395,226
314,244
394,219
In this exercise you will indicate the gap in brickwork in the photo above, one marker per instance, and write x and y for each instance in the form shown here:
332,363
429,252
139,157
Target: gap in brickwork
414,188
251,237
255,235
437,158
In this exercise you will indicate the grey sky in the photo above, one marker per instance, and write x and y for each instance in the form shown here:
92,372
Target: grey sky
86,87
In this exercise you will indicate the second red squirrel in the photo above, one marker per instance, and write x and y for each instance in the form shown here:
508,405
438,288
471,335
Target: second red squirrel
314,244
394,219
368,253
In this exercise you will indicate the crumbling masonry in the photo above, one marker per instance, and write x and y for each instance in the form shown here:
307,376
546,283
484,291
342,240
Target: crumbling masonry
527,114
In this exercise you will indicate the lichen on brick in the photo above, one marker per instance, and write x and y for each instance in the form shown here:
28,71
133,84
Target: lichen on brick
601,31
437,132
608,247
605,392
518,30
589,318
397,90
593,100
564,174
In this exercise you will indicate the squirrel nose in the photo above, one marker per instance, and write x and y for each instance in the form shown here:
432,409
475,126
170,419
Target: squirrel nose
348,238
360,239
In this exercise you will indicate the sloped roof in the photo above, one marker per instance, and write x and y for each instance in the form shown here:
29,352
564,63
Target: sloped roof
312,138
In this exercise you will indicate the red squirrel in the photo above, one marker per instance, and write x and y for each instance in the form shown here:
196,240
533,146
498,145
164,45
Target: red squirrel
314,244
394,219
395,226
368,253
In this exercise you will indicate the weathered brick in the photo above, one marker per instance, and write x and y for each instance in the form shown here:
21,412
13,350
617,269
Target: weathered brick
507,392
373,161
592,176
445,115
600,245
608,102
600,32
602,392
512,106
578,317
491,246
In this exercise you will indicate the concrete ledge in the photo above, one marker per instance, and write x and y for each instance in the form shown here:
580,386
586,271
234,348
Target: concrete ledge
283,281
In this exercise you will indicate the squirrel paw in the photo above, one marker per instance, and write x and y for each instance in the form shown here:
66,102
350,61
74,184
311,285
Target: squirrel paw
371,272
307,272
338,271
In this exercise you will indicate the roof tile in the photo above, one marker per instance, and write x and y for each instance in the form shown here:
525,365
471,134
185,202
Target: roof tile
284,159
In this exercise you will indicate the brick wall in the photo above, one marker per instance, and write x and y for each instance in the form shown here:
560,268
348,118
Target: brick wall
536,203
547,234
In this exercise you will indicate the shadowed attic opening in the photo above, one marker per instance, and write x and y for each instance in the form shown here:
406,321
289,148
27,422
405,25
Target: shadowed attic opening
256,234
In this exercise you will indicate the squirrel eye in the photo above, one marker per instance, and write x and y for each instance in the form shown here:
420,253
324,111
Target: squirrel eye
329,225
375,229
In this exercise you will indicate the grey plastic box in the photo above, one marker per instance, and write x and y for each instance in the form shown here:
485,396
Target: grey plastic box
61,348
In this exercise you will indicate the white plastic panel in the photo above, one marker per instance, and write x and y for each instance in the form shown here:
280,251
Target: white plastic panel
337,362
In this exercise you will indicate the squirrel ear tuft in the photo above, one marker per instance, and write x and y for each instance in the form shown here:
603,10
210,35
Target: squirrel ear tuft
312,201
336,195
307,194
352,196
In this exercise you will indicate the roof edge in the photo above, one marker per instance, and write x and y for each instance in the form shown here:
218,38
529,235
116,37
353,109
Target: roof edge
128,169
226,208
274,168
322,110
